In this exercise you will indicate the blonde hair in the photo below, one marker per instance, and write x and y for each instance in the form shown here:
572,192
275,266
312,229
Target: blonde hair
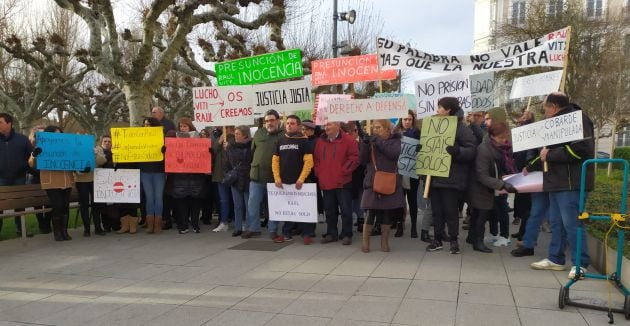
385,123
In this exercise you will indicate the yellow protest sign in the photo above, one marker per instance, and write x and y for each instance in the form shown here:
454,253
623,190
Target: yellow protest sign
140,144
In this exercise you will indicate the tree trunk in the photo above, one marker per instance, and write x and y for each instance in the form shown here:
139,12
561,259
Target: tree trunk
612,147
139,103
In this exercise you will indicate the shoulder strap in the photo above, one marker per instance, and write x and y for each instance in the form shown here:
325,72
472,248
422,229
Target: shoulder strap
373,159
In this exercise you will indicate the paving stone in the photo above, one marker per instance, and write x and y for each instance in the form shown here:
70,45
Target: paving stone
295,281
385,287
268,300
240,318
485,294
433,290
425,312
283,320
338,284
317,304
369,308
535,317
222,297
472,314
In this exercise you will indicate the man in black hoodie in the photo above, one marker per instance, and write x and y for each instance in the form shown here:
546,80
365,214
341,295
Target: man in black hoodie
562,182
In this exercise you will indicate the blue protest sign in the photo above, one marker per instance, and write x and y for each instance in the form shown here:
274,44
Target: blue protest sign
65,152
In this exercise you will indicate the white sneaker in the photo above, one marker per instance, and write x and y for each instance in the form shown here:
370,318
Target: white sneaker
547,264
502,242
321,218
572,272
221,228
491,238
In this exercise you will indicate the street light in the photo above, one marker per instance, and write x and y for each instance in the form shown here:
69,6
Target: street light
349,16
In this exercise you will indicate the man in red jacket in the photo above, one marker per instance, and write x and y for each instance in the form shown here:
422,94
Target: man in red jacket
336,156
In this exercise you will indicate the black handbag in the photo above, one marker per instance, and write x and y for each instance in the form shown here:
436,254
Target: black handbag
231,177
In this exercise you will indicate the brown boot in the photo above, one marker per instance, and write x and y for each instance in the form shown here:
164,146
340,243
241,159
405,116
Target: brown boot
133,225
367,231
124,224
385,237
157,225
150,223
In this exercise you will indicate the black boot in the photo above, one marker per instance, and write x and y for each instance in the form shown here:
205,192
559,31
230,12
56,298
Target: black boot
399,229
56,226
480,229
64,227
360,222
472,230
424,236
97,224
414,231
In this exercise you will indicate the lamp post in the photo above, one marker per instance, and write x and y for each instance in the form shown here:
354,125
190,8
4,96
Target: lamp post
349,16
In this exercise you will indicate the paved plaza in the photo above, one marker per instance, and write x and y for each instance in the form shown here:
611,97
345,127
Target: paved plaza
194,279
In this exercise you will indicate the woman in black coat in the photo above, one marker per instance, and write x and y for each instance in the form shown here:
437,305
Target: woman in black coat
238,159
407,127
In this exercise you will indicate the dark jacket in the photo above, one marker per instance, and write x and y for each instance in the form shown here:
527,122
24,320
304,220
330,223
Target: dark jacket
239,157
386,153
487,176
460,163
15,151
565,160
263,147
335,161
218,158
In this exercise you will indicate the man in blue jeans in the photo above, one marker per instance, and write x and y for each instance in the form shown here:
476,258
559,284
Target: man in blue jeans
15,149
538,212
562,183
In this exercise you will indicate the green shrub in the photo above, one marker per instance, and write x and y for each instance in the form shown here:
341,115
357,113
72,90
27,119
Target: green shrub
621,152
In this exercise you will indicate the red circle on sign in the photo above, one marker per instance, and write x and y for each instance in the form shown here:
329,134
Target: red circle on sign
119,186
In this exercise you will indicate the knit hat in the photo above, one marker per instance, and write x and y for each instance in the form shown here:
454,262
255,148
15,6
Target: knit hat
497,114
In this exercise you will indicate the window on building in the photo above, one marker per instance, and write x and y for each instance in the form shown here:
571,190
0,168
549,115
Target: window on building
594,8
555,7
518,12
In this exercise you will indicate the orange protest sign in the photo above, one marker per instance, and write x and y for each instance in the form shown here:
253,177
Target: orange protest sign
187,155
348,70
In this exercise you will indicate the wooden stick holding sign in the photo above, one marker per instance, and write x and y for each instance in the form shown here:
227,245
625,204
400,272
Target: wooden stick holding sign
433,160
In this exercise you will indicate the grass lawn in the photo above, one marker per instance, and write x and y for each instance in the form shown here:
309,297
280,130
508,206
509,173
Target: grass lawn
8,229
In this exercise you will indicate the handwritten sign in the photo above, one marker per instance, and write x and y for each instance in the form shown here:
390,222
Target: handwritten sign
286,97
187,155
407,158
262,68
482,91
290,204
65,152
538,84
429,91
117,186
140,144
436,134
560,129
321,102
348,70
364,109
547,50
222,106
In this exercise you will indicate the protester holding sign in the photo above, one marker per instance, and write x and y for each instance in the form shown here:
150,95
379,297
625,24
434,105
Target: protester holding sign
562,181
84,181
153,179
58,185
408,128
380,153
238,164
222,141
445,191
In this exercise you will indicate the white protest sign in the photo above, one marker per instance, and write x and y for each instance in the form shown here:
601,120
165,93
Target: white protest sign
223,106
482,91
560,129
429,91
322,101
538,84
116,186
407,158
290,204
547,50
364,109
286,97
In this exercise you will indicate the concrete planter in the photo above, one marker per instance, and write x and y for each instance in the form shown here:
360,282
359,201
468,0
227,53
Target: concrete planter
596,251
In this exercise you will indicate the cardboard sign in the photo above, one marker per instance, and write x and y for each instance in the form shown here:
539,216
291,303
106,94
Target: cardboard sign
482,91
286,97
64,152
430,91
262,68
411,99
557,130
321,102
364,109
407,158
138,144
187,155
347,70
119,186
436,134
222,106
290,204
547,50
538,84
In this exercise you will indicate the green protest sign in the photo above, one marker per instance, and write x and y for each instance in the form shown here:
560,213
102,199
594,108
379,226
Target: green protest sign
436,134
260,69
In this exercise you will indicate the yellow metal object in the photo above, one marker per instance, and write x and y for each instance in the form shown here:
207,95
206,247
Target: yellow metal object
618,217
584,216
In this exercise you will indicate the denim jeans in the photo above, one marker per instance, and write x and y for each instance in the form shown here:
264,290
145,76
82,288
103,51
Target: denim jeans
563,219
257,193
538,212
153,185
341,198
225,202
14,182
502,216
240,208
